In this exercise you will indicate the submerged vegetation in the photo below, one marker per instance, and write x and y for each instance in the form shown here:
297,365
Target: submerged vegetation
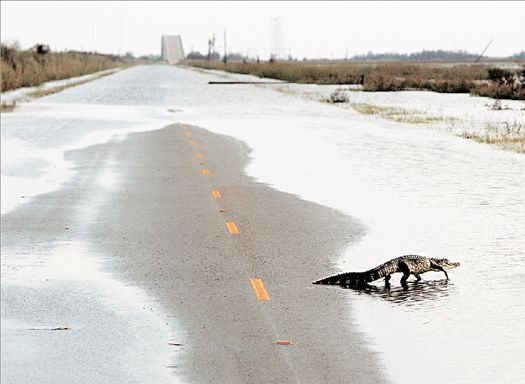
399,115
41,91
510,137
8,107
28,68
396,76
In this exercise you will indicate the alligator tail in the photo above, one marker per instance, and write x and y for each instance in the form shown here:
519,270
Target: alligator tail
349,279
360,279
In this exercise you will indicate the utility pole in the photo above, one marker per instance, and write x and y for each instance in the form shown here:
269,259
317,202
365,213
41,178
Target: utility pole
211,46
225,50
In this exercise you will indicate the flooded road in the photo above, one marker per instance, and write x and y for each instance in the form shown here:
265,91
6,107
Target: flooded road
413,190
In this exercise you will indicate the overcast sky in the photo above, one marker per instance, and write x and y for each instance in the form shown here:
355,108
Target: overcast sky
311,29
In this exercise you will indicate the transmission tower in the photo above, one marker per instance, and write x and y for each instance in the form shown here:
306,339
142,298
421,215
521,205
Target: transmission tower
277,50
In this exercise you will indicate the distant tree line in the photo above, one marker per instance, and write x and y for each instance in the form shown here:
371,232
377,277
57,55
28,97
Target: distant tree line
215,56
520,55
417,56
194,55
437,55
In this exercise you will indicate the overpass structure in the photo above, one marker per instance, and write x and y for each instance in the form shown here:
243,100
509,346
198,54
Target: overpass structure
172,50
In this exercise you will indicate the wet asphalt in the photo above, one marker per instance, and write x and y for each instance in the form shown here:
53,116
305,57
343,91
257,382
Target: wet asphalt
163,229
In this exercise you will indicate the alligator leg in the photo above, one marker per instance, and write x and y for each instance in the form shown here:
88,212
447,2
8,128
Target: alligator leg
387,282
417,276
443,270
440,268
406,272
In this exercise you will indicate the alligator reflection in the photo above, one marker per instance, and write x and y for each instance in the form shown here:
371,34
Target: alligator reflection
410,293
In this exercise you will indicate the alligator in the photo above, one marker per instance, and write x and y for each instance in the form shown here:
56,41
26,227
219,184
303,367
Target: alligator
408,264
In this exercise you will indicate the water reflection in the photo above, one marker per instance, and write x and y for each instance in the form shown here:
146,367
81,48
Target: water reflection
410,293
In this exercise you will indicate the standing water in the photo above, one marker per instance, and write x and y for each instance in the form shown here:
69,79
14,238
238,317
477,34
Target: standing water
414,190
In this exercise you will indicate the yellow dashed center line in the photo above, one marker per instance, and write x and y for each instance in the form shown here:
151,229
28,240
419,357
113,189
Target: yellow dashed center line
193,142
232,228
206,172
260,291
215,193
198,155
283,342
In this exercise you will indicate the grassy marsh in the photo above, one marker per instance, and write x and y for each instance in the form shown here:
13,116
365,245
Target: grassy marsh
26,68
393,76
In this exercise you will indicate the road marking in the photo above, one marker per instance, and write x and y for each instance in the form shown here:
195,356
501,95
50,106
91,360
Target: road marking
215,193
232,228
206,172
198,155
188,134
202,163
283,342
193,142
260,291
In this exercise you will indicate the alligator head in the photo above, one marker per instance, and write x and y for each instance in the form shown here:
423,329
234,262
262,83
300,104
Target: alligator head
444,263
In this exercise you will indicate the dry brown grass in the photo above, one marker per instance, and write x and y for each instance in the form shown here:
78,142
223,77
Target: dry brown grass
28,69
41,92
8,107
509,136
460,78
399,115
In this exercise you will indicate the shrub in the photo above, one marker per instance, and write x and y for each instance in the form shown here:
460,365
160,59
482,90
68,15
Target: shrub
500,91
338,96
380,82
499,75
